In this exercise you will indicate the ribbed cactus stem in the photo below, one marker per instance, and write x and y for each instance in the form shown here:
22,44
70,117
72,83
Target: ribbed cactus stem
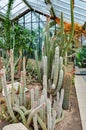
32,98
37,66
9,106
48,106
24,78
36,94
24,71
54,104
17,100
49,86
45,65
62,34
52,73
53,119
61,62
61,97
49,117
42,111
12,73
41,123
66,86
35,122
60,103
44,92
33,112
56,69
0,85
22,90
45,81
72,26
17,109
12,66
49,120
58,97
59,82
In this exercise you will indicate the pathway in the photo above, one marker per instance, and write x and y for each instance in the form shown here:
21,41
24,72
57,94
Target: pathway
80,85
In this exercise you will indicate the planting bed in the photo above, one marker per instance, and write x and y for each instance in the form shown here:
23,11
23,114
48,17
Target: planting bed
71,119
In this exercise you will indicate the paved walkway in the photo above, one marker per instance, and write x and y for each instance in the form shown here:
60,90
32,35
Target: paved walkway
80,85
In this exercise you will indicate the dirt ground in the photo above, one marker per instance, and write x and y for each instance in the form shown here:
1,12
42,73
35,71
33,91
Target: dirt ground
71,119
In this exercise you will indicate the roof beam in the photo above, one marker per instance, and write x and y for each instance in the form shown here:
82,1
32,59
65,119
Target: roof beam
52,12
2,17
20,15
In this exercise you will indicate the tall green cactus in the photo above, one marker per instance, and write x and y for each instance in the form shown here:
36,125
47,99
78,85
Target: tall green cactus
66,86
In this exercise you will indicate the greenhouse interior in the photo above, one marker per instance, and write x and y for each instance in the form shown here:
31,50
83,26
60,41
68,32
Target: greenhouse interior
42,64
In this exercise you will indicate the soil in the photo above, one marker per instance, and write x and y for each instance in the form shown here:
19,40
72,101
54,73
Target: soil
71,119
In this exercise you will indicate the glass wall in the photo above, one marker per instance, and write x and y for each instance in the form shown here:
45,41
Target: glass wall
35,23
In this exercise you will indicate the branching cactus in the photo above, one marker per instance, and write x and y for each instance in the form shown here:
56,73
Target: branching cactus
66,86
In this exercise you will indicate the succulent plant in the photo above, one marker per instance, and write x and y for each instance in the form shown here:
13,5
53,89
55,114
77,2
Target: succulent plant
66,86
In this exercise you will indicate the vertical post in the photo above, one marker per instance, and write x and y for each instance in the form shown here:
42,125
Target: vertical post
24,21
31,23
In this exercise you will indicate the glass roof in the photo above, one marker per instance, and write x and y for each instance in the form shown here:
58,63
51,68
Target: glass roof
42,7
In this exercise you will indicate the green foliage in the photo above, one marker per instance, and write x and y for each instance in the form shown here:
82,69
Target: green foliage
20,40
81,57
63,39
31,69
7,24
23,37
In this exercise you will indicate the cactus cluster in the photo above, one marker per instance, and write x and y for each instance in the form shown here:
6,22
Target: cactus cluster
46,109
44,112
51,72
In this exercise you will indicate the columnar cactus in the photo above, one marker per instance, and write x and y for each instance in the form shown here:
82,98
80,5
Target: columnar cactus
8,101
66,86
56,68
24,78
12,72
49,117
